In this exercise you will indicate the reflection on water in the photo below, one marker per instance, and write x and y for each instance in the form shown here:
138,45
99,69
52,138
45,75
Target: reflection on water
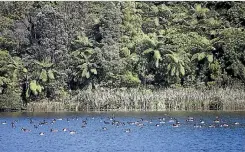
131,131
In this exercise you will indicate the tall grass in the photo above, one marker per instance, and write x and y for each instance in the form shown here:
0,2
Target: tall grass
104,99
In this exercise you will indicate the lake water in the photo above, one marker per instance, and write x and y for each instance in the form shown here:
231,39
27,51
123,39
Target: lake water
132,131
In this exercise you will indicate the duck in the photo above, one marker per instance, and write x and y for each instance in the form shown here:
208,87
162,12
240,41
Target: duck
31,121
237,123
114,122
211,126
217,120
84,122
190,119
175,125
171,120
41,133
161,119
157,125
105,122
197,126
72,132
4,123
127,130
224,125
53,121
65,129
113,116
140,124
12,124
104,128
25,130
202,122
131,123
53,130
43,123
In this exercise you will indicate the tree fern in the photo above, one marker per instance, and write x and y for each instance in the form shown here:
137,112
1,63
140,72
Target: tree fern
201,56
51,74
87,75
84,72
157,56
210,58
182,70
43,76
94,71
148,51
27,94
33,87
173,70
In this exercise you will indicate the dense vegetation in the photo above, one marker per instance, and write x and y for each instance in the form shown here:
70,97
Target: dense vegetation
56,51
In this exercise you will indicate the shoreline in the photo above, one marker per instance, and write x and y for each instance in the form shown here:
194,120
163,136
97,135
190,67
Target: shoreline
117,111
138,99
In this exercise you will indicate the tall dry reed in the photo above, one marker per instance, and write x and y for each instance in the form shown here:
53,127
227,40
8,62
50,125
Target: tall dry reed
124,99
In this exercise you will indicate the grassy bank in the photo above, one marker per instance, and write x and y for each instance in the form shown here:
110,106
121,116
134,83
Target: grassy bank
144,99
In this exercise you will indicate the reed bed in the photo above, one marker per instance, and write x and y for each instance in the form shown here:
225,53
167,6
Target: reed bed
105,99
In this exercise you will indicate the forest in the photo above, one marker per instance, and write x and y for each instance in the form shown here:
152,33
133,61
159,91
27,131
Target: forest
128,55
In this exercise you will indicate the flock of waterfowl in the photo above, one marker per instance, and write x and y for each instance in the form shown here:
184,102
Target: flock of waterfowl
105,122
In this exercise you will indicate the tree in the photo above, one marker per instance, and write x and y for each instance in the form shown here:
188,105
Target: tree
83,61
178,63
109,56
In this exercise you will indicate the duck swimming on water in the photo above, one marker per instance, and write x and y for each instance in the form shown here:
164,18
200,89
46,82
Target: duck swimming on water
190,119
202,122
217,120
65,129
53,130
175,125
224,125
237,123
72,132
12,124
104,128
25,130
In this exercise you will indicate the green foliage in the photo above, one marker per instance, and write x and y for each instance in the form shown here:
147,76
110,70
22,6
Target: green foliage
200,11
203,55
49,48
35,88
45,63
43,76
130,79
82,40
47,72
51,74
153,46
178,63
157,56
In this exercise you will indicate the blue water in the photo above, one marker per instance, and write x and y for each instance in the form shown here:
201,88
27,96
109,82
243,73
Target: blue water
148,137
